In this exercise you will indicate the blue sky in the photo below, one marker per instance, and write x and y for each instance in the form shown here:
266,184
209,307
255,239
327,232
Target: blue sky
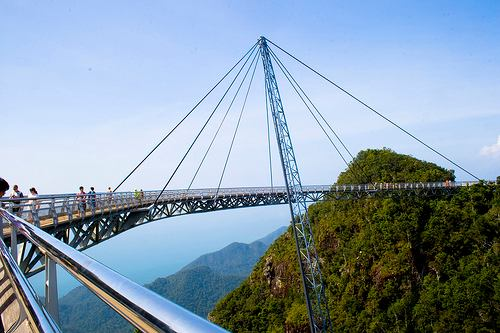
87,88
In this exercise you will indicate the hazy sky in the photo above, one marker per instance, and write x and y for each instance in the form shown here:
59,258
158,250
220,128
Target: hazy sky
88,87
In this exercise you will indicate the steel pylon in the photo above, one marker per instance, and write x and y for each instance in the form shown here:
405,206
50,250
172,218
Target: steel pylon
314,290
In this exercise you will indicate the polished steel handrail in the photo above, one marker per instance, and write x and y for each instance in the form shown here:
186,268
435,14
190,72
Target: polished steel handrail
39,319
141,307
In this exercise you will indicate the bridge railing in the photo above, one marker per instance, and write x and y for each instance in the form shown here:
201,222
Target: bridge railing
67,207
141,307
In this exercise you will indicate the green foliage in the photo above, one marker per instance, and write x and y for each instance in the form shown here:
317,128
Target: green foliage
385,166
264,301
423,264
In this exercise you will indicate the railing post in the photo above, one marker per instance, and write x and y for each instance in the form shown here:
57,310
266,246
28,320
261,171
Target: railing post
51,294
101,203
34,214
55,218
92,201
69,209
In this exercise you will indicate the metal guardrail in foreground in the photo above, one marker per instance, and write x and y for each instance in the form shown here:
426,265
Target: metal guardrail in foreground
29,303
143,308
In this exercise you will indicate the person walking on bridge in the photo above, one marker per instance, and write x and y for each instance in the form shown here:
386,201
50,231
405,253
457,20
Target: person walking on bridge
82,202
34,206
109,198
16,204
92,200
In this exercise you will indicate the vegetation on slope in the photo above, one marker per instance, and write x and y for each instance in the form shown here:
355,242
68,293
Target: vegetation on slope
403,263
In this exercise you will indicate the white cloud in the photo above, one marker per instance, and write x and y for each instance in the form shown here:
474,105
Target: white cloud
493,150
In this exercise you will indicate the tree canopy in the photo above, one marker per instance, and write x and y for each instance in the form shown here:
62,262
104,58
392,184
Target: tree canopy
386,166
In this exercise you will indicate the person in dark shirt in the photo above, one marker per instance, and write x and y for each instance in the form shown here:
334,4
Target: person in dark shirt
4,187
16,203
92,199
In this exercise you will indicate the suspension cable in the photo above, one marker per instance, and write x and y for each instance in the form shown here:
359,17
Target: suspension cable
236,129
203,127
314,106
308,107
220,125
373,110
186,116
290,77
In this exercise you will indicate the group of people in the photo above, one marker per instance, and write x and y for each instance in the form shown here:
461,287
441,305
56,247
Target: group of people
83,198
139,195
89,198
18,205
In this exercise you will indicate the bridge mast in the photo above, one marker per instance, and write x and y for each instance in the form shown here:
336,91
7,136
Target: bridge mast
314,290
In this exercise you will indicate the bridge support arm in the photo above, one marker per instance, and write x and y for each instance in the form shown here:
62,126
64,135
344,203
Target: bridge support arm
314,289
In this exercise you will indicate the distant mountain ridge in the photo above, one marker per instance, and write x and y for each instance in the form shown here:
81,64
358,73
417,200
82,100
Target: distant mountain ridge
236,258
197,287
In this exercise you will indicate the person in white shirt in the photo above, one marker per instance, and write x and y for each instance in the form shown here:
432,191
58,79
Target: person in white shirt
33,195
34,204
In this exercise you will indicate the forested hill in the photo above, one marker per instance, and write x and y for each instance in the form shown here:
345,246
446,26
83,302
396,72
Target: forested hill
400,264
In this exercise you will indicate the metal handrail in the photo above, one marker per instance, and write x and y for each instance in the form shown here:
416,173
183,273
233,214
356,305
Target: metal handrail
141,307
36,314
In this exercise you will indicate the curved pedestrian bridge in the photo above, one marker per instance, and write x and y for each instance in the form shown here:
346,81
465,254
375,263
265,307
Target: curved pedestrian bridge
56,209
